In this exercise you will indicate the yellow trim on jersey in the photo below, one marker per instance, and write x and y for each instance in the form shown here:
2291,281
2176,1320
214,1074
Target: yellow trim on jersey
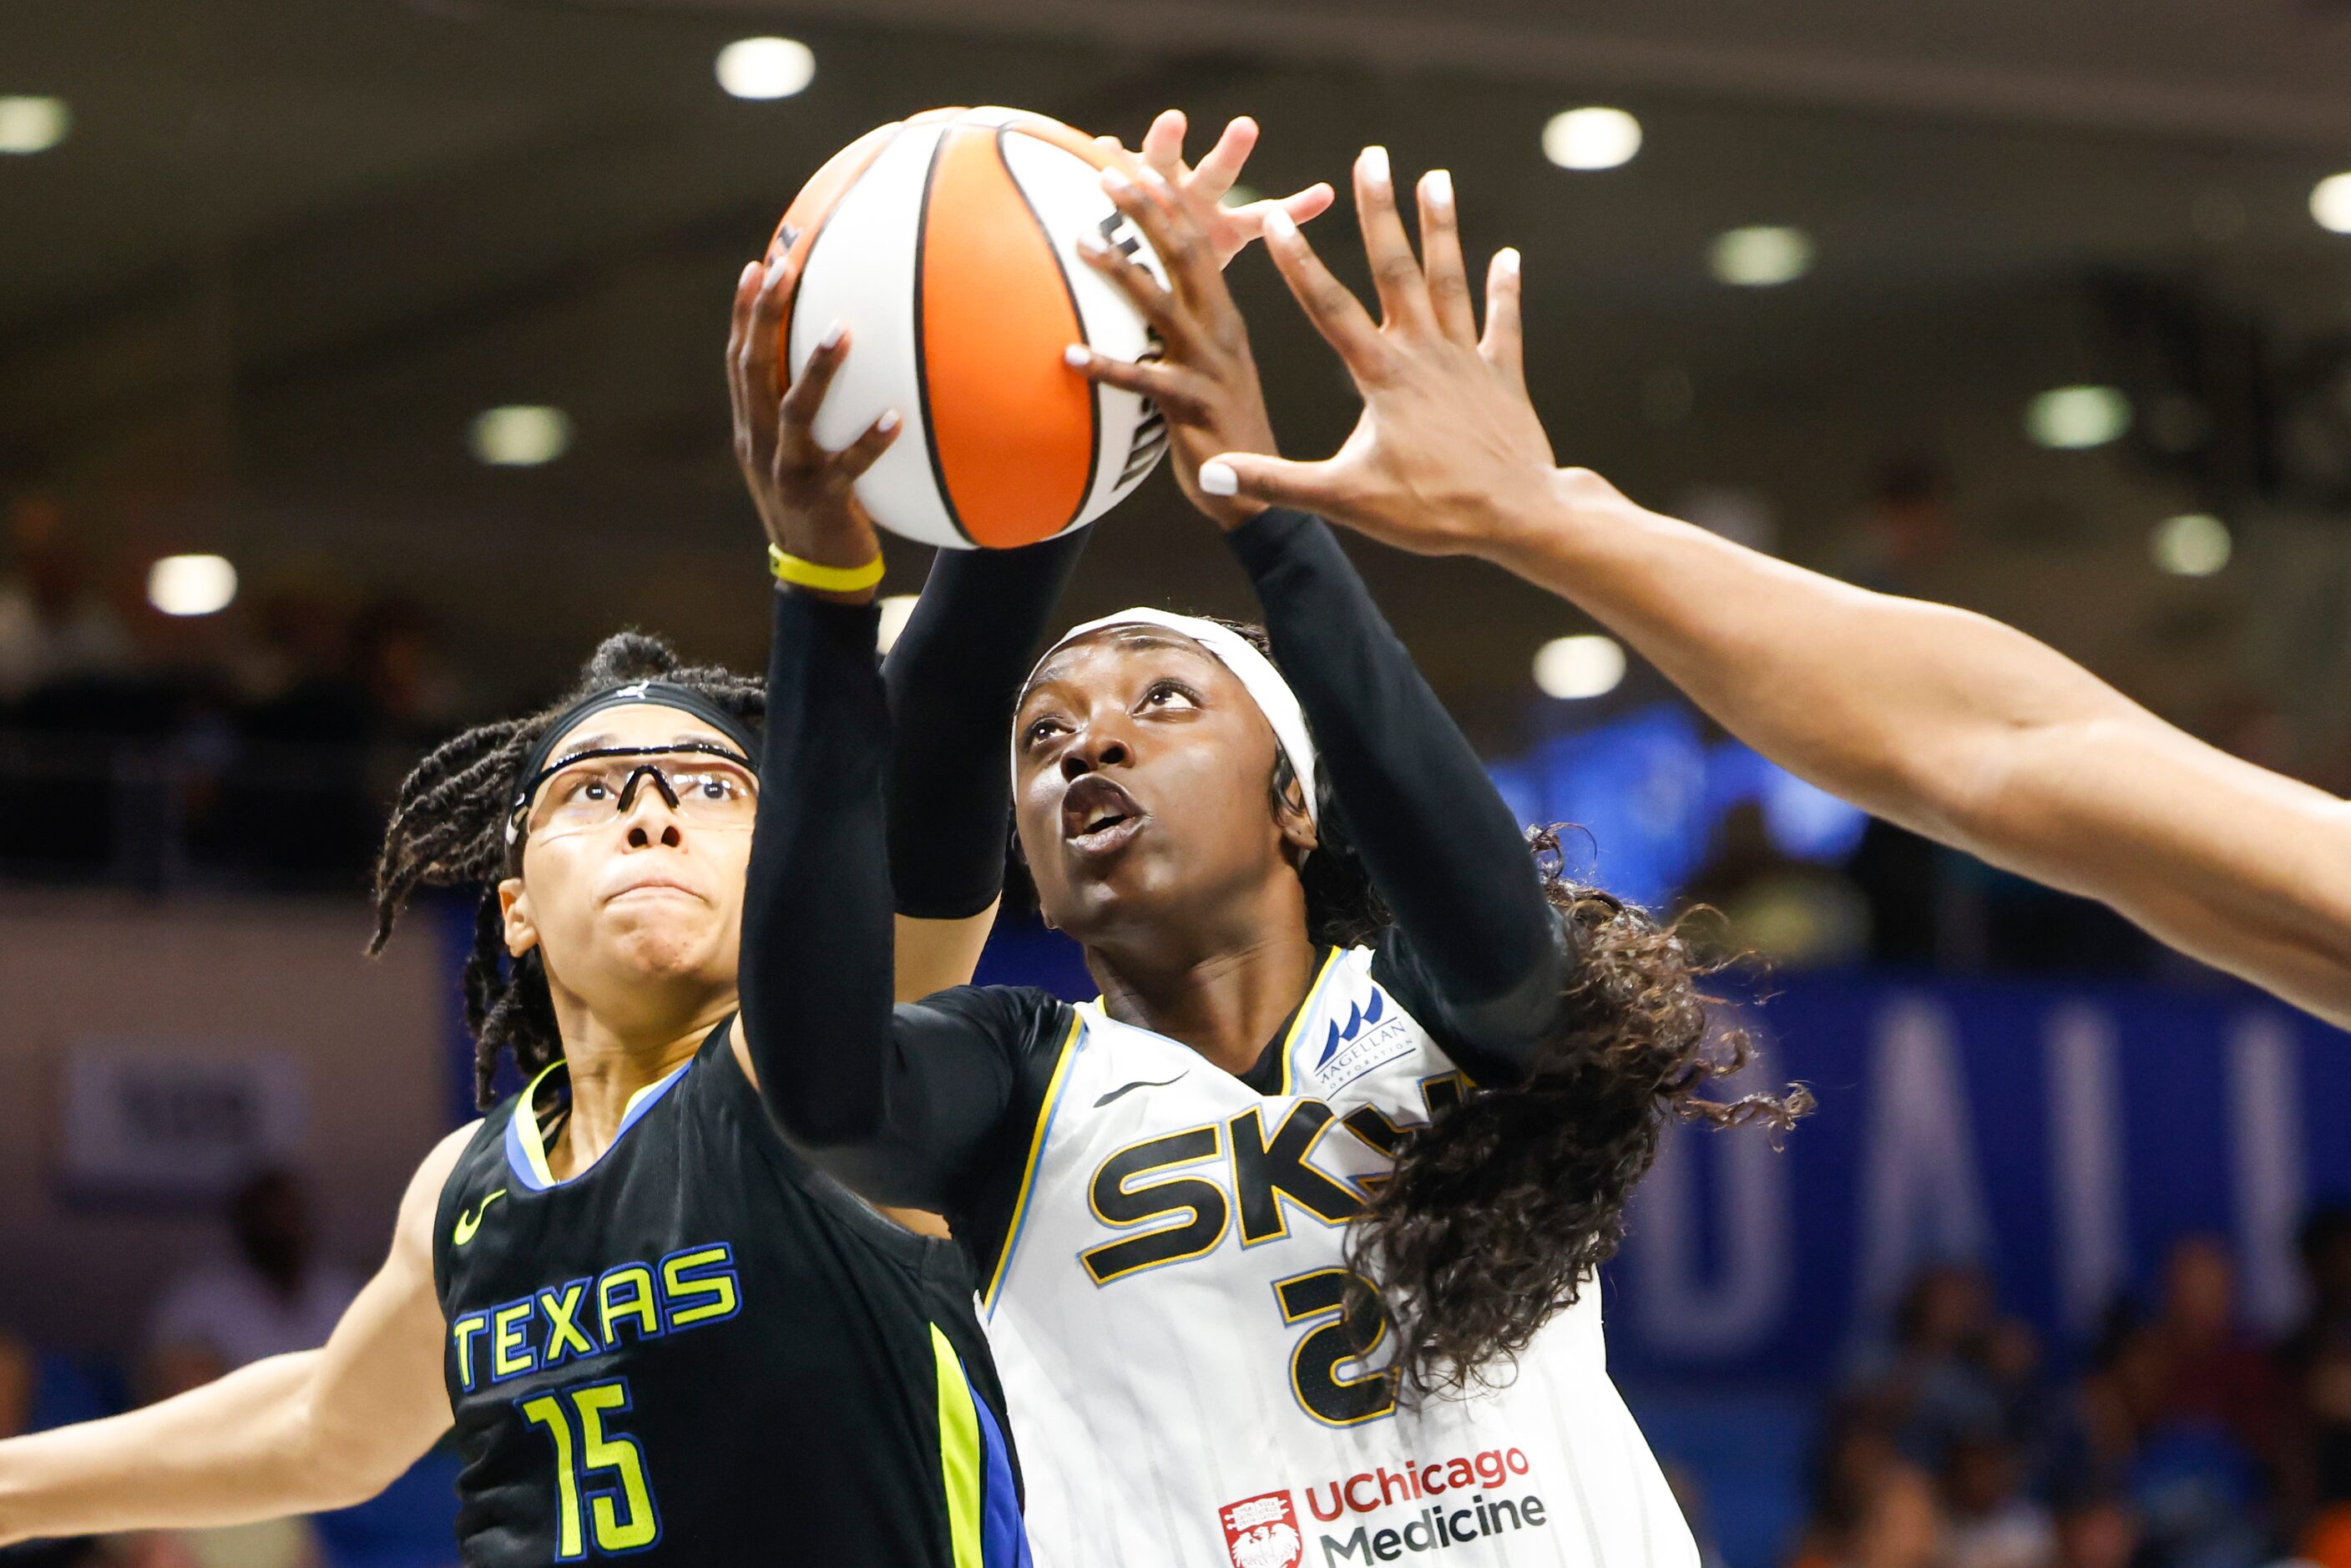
1305,1010
1036,1153
534,1147
960,1455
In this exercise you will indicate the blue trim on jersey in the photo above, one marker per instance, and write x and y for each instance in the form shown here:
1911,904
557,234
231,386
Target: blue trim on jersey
520,1144
1003,1537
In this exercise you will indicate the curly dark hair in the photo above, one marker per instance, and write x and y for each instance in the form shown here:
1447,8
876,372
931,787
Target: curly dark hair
1496,1213
448,829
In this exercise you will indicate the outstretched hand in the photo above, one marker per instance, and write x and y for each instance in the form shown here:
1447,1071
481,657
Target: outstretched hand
1449,457
1229,229
1205,381
806,494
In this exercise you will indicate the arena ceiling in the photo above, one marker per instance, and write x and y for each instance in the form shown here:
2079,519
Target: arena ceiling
290,249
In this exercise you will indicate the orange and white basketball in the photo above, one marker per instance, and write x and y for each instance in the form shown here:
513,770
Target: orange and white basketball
948,243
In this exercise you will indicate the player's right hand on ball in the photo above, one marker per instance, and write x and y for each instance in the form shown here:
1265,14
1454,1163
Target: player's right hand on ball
1449,457
806,494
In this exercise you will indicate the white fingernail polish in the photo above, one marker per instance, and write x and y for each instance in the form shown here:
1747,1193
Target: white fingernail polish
1090,244
887,423
1438,183
833,336
1507,258
776,267
1115,180
1280,225
1152,176
1076,356
1375,165
1218,480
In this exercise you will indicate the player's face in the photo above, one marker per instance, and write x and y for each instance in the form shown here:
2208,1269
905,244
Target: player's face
1141,775
630,907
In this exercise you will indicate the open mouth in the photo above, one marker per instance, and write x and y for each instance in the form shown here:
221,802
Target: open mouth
1098,815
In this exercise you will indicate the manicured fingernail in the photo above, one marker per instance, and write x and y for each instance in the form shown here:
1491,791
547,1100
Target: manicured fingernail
776,268
1076,356
1507,258
887,423
1280,224
1113,180
1439,184
750,271
1375,166
1152,176
1217,478
833,336
1090,244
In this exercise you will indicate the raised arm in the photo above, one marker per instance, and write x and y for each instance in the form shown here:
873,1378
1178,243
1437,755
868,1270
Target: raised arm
1478,942
1941,720
294,1433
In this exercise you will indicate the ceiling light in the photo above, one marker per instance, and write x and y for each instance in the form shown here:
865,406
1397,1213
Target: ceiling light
32,124
1585,667
2074,419
1761,255
520,435
766,68
2192,545
191,584
1591,138
2330,203
896,610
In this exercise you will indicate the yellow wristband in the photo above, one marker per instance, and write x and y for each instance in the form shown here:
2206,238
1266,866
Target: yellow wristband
801,573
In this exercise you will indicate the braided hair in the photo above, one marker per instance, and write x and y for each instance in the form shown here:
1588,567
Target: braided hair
1496,1213
448,829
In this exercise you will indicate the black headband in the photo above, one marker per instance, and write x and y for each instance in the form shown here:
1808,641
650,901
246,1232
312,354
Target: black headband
661,693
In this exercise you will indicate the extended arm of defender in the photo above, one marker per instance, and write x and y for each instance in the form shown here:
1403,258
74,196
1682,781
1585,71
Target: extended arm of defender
1973,734
294,1433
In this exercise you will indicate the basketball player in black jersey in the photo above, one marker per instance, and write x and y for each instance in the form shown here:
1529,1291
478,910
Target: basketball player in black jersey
659,1332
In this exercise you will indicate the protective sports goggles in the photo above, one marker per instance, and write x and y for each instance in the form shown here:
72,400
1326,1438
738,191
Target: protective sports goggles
707,786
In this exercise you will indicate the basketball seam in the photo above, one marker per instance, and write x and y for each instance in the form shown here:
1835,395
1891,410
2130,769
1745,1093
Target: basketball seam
1077,314
922,364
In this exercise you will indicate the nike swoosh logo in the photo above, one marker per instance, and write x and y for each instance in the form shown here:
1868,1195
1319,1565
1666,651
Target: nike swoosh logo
1131,1088
469,1223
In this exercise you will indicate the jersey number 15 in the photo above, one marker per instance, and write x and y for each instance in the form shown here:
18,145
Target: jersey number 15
603,1469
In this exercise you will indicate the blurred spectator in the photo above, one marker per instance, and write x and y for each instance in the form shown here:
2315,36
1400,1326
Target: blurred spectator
1995,1524
1784,911
53,624
1936,1382
1869,1509
2218,1375
1905,531
272,1297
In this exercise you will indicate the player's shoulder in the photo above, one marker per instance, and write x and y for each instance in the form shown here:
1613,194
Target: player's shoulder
1023,1020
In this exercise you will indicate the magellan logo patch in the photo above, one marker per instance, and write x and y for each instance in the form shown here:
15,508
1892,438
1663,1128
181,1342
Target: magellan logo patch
1369,1037
1262,1532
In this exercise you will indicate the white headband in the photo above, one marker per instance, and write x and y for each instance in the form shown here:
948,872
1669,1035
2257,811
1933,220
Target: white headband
1252,669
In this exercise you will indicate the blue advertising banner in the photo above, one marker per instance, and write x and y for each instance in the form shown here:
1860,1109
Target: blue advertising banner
2063,1136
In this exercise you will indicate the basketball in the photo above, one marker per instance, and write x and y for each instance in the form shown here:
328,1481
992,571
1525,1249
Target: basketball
948,243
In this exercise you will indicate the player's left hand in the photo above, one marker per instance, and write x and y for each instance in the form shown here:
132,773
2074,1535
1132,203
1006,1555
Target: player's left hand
1231,229
1206,381
806,494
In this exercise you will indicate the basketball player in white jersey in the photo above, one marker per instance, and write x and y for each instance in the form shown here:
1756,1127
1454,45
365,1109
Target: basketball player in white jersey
1952,725
1287,1242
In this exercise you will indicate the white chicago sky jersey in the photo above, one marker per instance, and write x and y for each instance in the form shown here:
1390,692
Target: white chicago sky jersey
1165,1316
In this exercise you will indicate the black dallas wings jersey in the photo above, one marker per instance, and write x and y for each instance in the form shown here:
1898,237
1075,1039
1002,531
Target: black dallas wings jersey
1164,1302
701,1351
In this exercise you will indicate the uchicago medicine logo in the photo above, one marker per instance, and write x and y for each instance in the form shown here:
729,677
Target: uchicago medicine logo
1262,1532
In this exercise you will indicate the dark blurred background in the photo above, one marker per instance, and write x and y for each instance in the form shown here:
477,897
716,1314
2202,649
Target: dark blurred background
360,369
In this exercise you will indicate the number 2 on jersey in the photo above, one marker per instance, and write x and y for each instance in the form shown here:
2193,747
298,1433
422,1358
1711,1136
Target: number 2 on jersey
1314,1367
603,1468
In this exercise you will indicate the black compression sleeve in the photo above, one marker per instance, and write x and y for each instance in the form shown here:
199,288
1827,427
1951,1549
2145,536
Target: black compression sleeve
1441,843
896,1111
953,677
